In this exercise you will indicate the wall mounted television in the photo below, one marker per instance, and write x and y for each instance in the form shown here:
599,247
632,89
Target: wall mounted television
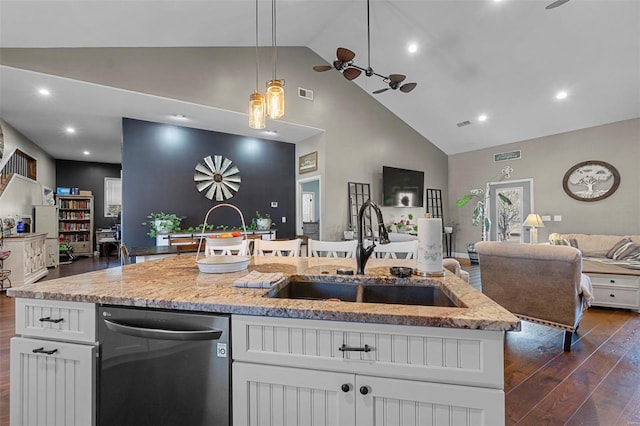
402,188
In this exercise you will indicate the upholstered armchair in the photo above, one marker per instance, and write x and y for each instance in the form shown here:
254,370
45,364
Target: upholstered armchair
538,283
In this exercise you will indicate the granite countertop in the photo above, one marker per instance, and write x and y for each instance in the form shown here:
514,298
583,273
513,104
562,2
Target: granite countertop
176,283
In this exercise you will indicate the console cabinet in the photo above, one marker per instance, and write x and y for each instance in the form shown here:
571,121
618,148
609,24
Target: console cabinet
334,373
616,291
28,258
53,363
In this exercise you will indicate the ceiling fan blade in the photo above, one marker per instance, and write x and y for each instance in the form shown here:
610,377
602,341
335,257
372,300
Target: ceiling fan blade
321,68
345,55
351,73
397,78
406,88
380,90
556,4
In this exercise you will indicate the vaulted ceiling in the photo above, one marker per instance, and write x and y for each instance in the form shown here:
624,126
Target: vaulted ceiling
506,59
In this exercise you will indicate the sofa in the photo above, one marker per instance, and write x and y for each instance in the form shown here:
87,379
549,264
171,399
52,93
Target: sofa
619,249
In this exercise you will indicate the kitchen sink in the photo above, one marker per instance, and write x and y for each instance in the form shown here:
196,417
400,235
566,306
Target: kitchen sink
366,293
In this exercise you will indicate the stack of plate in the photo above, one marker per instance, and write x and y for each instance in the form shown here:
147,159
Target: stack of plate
223,264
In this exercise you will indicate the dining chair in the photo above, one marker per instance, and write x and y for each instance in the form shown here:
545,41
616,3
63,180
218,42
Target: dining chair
276,248
332,248
406,250
125,259
241,249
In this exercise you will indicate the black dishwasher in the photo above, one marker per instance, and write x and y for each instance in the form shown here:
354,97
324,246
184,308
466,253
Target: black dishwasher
163,368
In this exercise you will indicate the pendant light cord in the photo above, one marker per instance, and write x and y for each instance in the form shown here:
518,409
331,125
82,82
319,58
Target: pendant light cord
256,45
274,44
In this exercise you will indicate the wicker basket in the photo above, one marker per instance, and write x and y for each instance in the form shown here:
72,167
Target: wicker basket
222,264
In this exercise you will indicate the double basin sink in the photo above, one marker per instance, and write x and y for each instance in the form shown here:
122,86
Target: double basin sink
364,293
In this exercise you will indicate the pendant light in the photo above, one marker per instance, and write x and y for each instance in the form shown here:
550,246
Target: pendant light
257,106
275,87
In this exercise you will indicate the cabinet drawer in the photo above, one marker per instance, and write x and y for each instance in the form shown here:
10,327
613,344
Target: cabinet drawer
614,296
467,357
615,281
81,246
52,319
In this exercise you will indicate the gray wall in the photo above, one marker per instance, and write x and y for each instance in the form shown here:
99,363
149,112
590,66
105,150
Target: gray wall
22,194
546,160
360,134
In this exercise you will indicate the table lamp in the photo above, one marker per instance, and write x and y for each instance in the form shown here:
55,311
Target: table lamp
534,221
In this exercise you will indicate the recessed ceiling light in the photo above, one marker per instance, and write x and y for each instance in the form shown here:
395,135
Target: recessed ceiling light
70,130
562,95
482,117
179,117
44,92
413,48
86,152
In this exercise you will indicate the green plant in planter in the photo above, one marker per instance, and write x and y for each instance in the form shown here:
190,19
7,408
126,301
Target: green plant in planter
262,222
480,210
162,223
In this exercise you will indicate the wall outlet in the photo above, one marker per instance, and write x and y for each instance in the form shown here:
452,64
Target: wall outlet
274,204
284,219
557,218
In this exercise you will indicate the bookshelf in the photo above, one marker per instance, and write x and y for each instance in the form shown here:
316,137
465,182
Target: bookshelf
75,223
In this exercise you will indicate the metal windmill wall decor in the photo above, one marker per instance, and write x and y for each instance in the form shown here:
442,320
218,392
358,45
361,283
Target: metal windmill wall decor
217,177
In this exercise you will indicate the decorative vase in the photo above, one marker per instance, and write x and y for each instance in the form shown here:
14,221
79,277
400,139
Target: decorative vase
163,226
20,227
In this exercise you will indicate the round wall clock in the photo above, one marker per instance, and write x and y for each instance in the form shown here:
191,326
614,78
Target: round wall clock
217,178
591,181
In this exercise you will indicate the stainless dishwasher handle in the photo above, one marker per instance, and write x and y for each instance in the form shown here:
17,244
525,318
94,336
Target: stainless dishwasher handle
162,334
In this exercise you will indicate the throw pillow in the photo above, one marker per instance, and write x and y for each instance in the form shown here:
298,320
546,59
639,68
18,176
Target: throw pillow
629,251
566,242
616,248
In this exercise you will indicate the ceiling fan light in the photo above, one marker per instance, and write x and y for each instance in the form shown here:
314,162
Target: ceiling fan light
275,99
257,111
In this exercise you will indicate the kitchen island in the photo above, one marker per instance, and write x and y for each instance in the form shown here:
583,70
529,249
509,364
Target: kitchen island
363,363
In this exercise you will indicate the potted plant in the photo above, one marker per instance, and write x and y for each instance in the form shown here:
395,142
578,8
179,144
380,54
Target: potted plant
262,222
162,223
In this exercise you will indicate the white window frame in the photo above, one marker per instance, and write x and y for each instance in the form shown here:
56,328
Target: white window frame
112,194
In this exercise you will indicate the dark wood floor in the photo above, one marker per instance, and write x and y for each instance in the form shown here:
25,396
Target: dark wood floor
597,383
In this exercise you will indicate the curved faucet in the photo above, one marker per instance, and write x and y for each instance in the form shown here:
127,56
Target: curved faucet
362,253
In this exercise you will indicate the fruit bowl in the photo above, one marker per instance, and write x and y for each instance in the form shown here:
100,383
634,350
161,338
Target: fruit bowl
223,264
223,240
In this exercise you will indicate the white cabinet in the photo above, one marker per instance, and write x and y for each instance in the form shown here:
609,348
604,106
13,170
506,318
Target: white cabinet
401,375
28,258
272,395
53,364
616,291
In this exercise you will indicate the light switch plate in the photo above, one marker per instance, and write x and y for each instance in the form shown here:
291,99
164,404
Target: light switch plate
284,219
557,218
546,218
274,204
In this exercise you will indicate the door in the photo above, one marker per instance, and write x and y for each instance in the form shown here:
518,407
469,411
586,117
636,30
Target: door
392,402
308,210
507,218
268,395
51,383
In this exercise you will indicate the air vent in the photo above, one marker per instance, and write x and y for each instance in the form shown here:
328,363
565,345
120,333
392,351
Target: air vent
305,93
463,123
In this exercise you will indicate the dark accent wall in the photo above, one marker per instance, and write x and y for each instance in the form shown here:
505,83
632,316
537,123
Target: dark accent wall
158,164
88,176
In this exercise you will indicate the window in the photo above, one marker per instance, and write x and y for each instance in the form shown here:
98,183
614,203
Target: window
112,197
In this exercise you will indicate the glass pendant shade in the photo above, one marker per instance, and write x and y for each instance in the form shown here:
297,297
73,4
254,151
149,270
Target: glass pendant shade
275,99
257,111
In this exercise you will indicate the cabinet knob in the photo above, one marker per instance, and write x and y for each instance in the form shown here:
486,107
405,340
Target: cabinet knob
345,387
612,281
612,295
364,390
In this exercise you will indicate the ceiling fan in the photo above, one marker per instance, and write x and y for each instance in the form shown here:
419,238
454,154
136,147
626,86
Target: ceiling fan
344,64
556,4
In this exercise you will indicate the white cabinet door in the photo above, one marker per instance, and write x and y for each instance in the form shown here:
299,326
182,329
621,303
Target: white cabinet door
278,396
393,402
55,388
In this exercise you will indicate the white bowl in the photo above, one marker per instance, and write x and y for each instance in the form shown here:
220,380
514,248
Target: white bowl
223,264
224,241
